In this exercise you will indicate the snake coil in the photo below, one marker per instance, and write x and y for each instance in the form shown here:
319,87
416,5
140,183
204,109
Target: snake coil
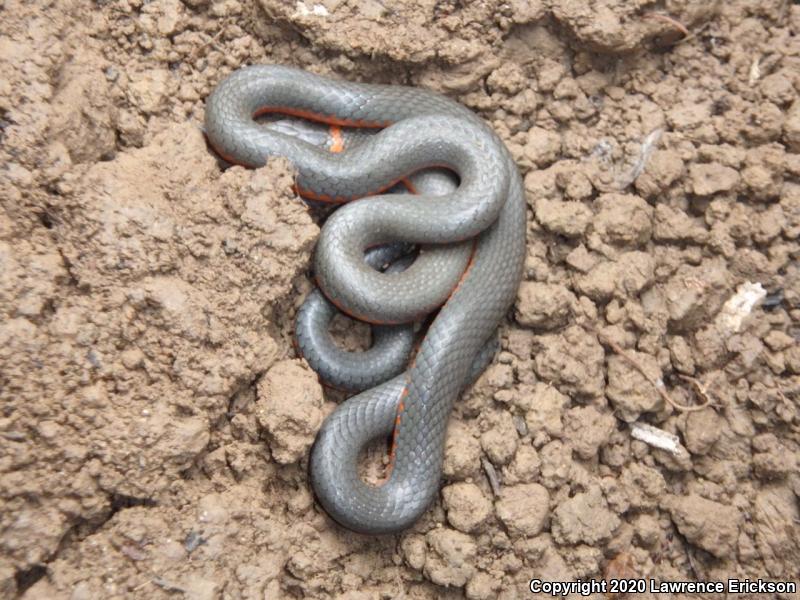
470,264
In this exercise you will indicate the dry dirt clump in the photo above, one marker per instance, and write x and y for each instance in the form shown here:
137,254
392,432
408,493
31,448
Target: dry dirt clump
156,420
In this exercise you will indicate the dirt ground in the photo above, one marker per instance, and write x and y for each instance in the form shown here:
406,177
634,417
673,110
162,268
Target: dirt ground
156,421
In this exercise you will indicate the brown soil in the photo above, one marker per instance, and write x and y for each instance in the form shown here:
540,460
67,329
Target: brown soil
156,423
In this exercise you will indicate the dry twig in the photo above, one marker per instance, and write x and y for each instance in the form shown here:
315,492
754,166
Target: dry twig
209,41
699,388
168,585
658,438
672,21
656,383
491,475
648,145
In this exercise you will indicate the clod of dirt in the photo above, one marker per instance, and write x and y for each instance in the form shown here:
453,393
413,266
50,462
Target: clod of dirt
572,361
663,168
558,466
84,113
647,530
629,390
701,430
136,250
791,127
542,146
617,26
575,183
499,376
450,557
712,178
643,486
790,205
564,218
290,409
674,225
771,460
581,259
501,438
774,506
544,305
415,550
629,274
585,518
482,586
587,429
466,505
695,294
524,509
709,525
525,466
623,219
544,415
681,355
462,453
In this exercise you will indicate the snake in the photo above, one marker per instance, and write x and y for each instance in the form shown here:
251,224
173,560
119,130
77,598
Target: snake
470,241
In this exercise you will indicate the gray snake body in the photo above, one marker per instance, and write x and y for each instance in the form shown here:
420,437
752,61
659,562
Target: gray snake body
473,247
